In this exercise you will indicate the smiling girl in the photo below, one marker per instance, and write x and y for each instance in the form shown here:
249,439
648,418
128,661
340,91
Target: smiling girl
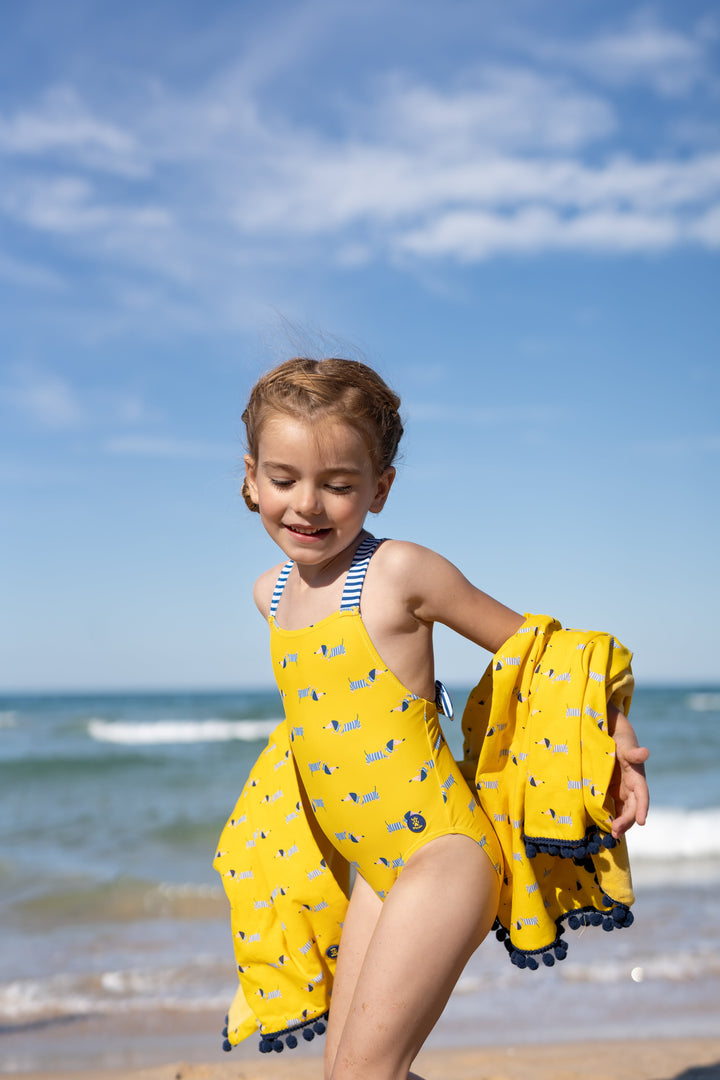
351,622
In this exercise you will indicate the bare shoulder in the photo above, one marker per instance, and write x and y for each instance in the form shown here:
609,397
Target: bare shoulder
412,565
435,590
263,589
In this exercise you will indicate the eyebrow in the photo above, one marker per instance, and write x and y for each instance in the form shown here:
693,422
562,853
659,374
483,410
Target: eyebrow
333,470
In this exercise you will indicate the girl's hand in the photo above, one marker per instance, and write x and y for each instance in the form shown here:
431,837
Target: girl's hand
629,787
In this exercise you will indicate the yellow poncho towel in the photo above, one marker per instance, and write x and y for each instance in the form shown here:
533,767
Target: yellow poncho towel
540,757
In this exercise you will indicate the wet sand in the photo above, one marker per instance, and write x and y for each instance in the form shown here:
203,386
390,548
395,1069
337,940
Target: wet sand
658,1059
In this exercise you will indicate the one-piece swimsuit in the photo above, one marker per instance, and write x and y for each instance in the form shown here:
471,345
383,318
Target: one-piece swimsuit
378,774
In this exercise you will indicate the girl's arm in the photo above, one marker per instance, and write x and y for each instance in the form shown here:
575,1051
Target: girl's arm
436,591
445,595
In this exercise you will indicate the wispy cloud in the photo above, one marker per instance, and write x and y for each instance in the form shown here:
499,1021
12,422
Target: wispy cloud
680,447
206,190
641,51
173,449
43,398
62,125
48,401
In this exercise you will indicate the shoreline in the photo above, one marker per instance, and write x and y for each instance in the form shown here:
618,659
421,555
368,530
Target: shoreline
643,1059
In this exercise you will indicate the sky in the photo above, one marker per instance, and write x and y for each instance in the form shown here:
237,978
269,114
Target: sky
512,211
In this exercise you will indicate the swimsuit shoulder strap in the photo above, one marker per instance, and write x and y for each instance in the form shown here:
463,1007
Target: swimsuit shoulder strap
356,573
353,582
279,586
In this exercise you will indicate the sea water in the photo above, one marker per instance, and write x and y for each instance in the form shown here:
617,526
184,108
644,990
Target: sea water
110,809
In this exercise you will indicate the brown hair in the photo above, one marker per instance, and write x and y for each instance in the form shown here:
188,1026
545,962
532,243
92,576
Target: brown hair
303,387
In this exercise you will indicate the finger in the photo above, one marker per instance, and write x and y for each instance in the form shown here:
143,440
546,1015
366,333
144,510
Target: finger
637,755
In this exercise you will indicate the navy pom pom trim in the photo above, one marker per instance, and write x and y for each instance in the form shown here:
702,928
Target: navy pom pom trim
614,917
274,1039
579,850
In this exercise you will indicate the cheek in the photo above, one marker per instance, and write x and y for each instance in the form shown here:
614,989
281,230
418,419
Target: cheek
269,498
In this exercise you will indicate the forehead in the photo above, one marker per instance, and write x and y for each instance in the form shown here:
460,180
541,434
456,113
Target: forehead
323,440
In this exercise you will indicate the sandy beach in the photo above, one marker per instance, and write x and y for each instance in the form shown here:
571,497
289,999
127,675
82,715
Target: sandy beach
659,1059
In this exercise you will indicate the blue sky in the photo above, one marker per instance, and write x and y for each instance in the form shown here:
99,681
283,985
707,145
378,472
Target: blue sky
513,211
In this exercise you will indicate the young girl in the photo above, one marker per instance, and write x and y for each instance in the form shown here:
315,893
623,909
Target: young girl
359,773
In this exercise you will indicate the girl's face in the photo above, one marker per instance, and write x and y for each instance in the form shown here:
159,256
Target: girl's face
314,483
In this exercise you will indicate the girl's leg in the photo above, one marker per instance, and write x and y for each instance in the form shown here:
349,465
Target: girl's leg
360,920
405,958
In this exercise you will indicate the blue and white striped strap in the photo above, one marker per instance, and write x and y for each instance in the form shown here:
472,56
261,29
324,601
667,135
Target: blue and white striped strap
279,586
356,573
442,700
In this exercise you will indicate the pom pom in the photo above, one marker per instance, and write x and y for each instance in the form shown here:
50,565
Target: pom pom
319,1027
594,918
607,923
501,933
519,959
581,851
308,1034
548,959
532,963
530,850
609,840
574,922
227,1046
291,1042
224,1031
607,902
265,1045
278,1046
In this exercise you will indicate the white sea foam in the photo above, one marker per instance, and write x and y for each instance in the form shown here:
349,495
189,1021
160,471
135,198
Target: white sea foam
672,834
675,967
704,701
167,732
128,991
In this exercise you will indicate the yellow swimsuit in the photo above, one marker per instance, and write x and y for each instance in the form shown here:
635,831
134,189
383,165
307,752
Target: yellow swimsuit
359,773
380,779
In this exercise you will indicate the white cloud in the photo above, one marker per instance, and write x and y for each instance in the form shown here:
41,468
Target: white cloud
643,51
43,398
25,273
680,446
503,107
474,235
203,191
706,228
62,124
155,446
68,204
482,416
57,403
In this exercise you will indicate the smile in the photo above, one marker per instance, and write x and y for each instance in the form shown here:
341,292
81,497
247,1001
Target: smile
302,530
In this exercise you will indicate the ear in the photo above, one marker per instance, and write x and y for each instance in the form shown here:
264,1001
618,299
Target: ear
384,483
251,477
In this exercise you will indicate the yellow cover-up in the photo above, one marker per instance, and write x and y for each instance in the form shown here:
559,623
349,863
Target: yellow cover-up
538,752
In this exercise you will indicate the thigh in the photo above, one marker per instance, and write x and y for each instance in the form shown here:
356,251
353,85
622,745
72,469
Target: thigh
437,913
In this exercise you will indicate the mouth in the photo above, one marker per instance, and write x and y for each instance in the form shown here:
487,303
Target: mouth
307,531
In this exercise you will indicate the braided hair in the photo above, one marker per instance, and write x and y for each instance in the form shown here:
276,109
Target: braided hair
349,389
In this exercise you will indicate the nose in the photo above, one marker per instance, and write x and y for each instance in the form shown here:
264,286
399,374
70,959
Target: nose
306,499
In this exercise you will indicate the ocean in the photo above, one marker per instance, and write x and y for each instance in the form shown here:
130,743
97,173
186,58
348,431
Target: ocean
110,809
